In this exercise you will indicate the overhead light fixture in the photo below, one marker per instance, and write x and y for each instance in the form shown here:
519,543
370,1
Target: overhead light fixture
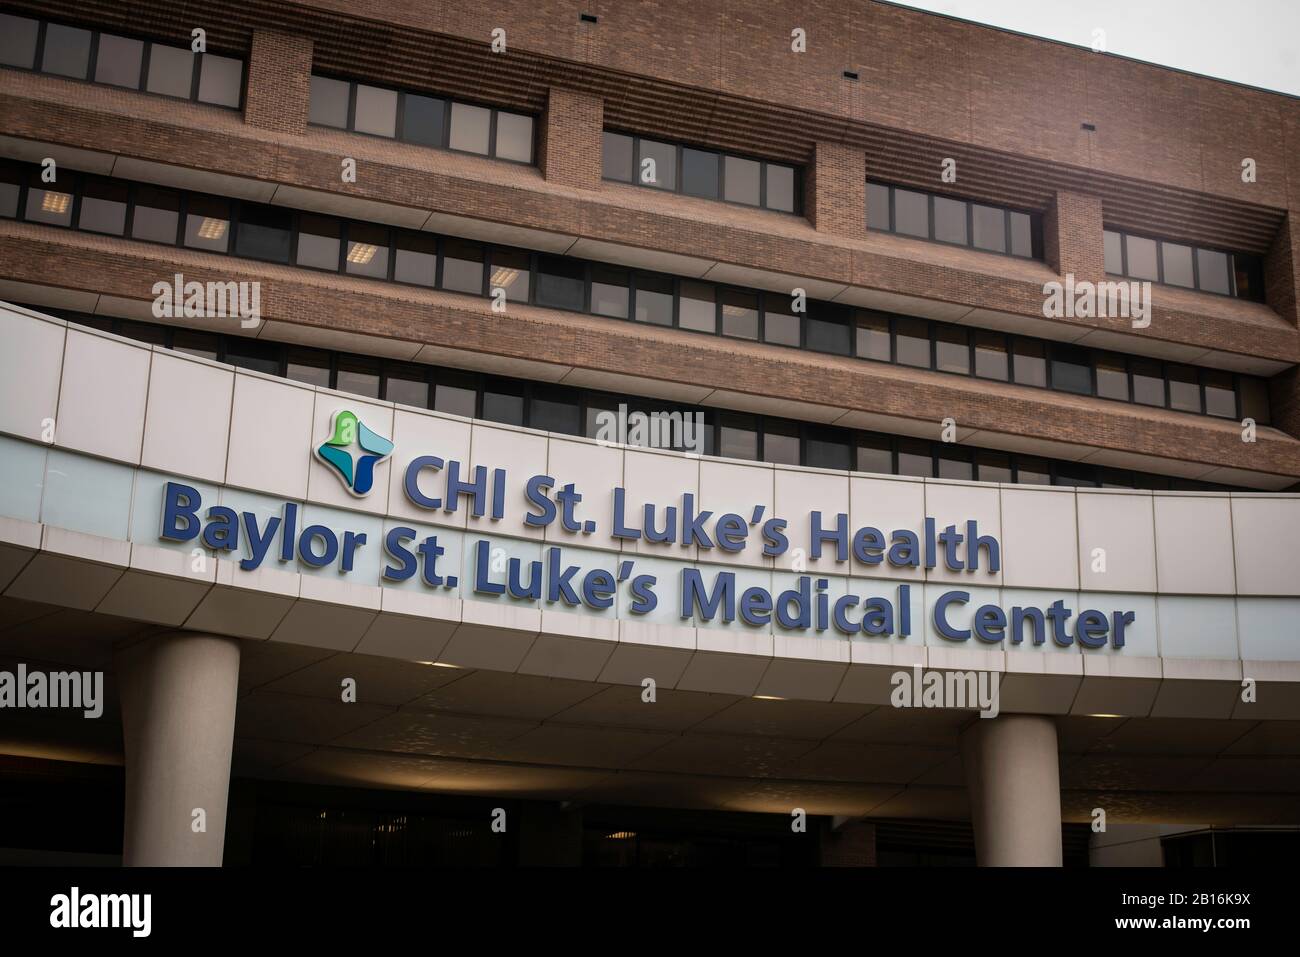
53,202
503,276
1105,715
361,253
767,697
437,664
212,228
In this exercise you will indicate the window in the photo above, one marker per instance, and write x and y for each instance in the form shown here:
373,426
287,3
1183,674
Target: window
329,102
1112,243
155,215
367,253
1220,393
207,223
616,157
873,336
700,173
560,283
740,314
263,357
406,385
1071,370
875,454
826,449
1033,471
1177,262
780,187
1184,389
952,349
992,466
358,375
609,291
657,165
780,323
554,410
318,241
117,61
955,463
11,179
989,226
915,458
415,259
220,80
205,345
654,299
311,366
1141,258
422,118
18,41
462,266
49,202
744,181
699,307
171,71
697,171
826,329
265,232
1148,381
737,436
1212,268
877,206
1254,400
503,401
67,52
455,394
470,128
781,442
511,271
1112,376
991,355
912,342
103,206
1029,362
949,220
514,137
911,213
376,111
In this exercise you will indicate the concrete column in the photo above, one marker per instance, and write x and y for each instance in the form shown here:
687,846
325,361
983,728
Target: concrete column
178,695
1014,779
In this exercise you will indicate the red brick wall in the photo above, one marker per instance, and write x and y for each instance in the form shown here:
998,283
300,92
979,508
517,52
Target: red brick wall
279,82
836,191
570,138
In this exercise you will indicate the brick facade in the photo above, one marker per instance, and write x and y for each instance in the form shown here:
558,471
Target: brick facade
279,82
568,148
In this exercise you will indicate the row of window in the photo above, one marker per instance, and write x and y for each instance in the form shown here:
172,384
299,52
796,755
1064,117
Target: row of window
960,222
276,234
570,411
1181,264
677,168
120,61
425,120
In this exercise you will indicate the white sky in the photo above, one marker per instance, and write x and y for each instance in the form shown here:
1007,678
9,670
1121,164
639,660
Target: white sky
1256,42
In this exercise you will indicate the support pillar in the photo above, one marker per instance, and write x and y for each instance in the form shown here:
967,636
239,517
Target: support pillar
1013,776
178,695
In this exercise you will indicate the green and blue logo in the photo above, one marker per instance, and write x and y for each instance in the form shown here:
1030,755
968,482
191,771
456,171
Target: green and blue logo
357,471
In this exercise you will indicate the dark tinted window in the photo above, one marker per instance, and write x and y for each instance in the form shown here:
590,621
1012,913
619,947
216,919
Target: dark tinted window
743,180
877,206
609,291
951,350
911,213
654,299
991,355
781,443
826,329
1184,389
949,220
700,173
1071,370
873,336
511,271
171,71
358,375
503,402
308,365
329,102
514,137
1220,394
554,410
407,385
560,283
989,226
376,111
657,165
470,128
914,458
1112,376
1148,381
737,436
264,233
103,206
220,80
18,41
367,253
67,51
207,223
912,342
739,314
156,214
462,266
780,188
1030,363
616,157
422,119
875,454
698,306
